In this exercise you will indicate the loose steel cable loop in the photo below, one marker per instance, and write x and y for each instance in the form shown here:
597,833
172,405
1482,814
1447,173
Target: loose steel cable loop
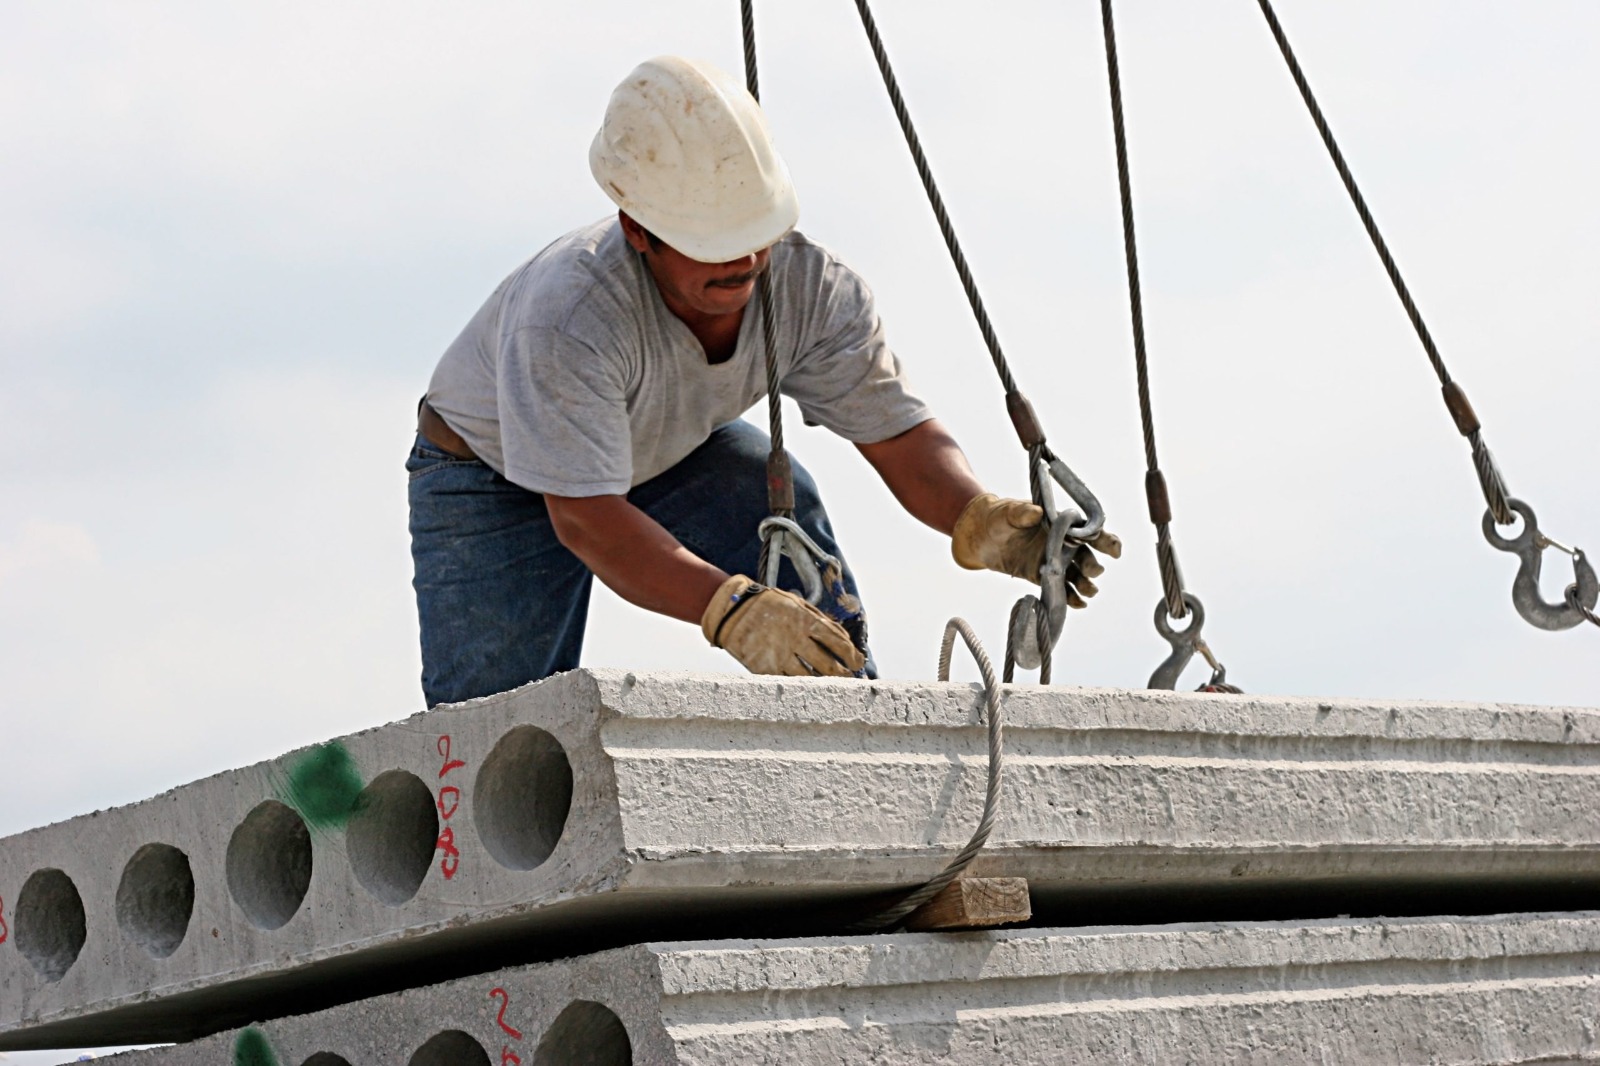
1490,479
892,916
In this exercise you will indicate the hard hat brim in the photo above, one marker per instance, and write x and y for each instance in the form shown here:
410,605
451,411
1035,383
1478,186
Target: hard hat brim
732,244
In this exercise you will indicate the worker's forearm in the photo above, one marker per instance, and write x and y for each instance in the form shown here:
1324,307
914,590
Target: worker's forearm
927,472
634,556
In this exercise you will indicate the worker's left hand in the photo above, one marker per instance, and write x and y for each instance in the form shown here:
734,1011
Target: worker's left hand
1010,537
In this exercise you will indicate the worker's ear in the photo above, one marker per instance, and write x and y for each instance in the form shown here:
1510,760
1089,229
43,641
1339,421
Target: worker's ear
638,239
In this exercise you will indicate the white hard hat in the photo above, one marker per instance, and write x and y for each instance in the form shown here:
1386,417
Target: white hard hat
685,151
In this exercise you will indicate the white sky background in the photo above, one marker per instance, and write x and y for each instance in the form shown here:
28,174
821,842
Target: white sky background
238,238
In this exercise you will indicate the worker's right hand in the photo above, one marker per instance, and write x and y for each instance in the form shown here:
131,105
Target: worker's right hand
1010,537
771,631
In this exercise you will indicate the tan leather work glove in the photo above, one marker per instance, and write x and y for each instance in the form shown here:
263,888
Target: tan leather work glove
1008,536
771,631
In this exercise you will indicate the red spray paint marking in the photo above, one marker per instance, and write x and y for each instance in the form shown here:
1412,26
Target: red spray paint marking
443,748
451,861
5,930
507,1056
452,857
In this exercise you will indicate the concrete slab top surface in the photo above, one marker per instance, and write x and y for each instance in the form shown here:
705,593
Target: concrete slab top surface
603,807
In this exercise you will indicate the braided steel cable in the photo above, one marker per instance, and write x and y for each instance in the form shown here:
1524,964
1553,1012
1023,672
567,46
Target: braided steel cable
780,484
1155,481
1489,477
925,172
892,916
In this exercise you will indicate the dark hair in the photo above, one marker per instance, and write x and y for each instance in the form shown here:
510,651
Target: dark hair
656,243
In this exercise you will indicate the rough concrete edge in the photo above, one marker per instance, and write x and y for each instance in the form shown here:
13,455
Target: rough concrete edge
658,694
640,982
560,703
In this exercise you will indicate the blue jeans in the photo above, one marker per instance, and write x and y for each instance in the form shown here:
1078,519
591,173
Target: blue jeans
502,602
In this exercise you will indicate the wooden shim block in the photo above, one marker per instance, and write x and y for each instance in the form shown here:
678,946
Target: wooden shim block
974,903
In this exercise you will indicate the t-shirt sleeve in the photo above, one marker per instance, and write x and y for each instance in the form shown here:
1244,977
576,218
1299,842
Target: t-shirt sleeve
563,416
844,376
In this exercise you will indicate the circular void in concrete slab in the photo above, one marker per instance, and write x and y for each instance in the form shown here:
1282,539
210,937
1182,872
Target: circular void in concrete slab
155,899
450,1048
269,864
326,1058
391,836
521,797
585,1034
49,925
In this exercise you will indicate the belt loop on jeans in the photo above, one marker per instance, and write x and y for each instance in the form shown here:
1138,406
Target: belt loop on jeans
438,433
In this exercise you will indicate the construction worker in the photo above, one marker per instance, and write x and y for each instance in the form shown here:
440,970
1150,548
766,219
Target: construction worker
586,422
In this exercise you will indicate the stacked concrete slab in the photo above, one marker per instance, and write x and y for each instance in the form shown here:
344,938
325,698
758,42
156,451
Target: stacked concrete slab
1518,989
604,808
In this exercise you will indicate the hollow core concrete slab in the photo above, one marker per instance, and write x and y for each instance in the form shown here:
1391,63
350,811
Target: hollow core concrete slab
603,808
1510,989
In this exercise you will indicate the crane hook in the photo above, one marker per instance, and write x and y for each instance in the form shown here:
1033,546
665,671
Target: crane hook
1529,546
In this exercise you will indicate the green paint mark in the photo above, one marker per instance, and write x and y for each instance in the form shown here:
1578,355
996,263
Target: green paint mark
323,786
252,1049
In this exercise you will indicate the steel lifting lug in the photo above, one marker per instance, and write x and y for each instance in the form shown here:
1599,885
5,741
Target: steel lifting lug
1185,642
1529,546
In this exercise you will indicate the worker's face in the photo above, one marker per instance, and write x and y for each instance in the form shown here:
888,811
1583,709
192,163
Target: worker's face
688,284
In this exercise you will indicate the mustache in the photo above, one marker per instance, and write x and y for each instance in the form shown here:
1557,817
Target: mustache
739,280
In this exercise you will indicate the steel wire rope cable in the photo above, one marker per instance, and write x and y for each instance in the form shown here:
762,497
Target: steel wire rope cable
892,916
1023,418
821,575
780,481
1572,601
1503,509
1177,601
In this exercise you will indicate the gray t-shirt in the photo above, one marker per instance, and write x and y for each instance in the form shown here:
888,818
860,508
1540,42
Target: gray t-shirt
575,379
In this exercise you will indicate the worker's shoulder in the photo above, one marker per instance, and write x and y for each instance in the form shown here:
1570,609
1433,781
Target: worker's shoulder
810,263
567,277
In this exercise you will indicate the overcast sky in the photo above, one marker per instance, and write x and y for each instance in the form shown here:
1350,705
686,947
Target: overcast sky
237,238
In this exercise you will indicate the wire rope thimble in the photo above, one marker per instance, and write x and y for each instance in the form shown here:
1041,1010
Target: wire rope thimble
1037,621
1031,638
1528,546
